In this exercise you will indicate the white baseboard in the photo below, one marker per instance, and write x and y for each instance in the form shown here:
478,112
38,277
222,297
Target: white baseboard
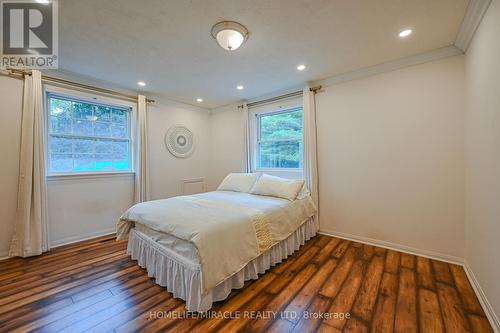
4,255
82,237
396,247
488,309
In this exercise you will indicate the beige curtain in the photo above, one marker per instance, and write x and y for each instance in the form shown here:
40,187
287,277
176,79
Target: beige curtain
31,225
247,156
310,146
141,192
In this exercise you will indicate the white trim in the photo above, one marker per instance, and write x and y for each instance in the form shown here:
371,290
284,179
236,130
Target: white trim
4,255
396,247
487,307
418,59
96,175
472,19
79,238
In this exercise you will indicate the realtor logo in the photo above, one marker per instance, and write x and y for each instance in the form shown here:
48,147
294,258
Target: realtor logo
29,34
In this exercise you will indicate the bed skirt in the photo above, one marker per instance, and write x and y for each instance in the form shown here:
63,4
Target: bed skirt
183,278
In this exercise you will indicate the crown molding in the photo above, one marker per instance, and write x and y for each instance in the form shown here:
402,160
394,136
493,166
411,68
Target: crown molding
472,19
418,59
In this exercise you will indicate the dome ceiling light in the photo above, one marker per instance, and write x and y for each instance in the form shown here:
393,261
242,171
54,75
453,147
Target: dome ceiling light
230,35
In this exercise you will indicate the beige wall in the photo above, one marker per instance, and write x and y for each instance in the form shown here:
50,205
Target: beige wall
390,153
483,155
10,126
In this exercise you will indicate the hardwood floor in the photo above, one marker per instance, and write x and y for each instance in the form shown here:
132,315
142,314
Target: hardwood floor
93,286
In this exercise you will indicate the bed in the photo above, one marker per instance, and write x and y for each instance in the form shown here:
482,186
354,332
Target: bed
202,246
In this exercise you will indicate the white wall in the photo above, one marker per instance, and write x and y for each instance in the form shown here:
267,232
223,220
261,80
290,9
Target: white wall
390,153
10,126
483,155
168,172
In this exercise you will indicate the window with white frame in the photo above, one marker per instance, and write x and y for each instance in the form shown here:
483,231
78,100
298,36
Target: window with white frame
279,139
87,137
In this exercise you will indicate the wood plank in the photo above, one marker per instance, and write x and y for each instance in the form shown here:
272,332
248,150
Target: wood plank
326,251
280,326
310,323
341,249
467,294
365,302
298,260
453,314
334,282
302,300
408,260
355,326
429,312
392,261
367,252
406,308
383,319
424,273
442,272
479,324
325,328
342,304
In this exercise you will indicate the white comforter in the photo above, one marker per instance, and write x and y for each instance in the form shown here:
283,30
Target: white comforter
221,225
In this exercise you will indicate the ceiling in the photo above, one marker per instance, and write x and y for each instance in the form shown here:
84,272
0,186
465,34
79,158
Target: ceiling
167,43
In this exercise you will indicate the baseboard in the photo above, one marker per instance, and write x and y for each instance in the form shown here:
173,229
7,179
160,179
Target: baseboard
4,255
82,237
396,247
488,309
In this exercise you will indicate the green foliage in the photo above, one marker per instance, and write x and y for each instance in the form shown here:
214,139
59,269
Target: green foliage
281,140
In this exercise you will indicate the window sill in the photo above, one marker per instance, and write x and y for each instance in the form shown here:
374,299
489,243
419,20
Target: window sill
97,175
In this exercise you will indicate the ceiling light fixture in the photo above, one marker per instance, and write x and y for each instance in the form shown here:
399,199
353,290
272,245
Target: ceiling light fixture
240,87
301,67
141,83
199,100
230,35
405,33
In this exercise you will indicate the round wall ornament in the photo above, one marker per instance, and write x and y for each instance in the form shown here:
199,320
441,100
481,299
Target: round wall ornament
179,141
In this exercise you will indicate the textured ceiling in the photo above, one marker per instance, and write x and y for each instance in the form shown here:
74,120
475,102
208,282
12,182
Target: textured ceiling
167,43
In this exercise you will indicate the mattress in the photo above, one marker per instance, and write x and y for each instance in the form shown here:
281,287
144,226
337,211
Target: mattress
282,215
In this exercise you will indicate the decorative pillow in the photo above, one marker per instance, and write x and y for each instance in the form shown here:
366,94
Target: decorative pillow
303,193
278,187
238,182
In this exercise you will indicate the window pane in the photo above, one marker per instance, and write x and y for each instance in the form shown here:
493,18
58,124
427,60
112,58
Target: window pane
120,147
84,162
60,108
61,162
102,113
83,146
121,162
104,147
60,144
286,125
280,154
102,129
104,162
83,127
82,110
119,116
118,131
60,125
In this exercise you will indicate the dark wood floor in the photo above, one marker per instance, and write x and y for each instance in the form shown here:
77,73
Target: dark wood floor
93,286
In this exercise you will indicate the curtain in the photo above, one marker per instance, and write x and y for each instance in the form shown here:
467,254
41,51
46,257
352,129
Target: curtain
310,155
247,155
31,225
141,192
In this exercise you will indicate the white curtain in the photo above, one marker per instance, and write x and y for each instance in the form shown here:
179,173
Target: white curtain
247,155
141,192
31,225
310,146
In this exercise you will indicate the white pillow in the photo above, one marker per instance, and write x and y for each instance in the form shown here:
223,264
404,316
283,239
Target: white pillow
278,187
303,193
238,182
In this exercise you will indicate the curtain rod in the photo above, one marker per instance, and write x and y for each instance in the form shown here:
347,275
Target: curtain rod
47,78
285,96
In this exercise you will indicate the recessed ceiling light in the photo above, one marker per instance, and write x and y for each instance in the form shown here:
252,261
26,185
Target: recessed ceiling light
42,1
141,83
405,33
301,67
199,100
230,35
240,87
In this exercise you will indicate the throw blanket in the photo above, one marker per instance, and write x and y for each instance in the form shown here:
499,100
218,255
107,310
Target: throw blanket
227,235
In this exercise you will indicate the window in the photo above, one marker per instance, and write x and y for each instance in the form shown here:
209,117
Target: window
279,139
87,137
